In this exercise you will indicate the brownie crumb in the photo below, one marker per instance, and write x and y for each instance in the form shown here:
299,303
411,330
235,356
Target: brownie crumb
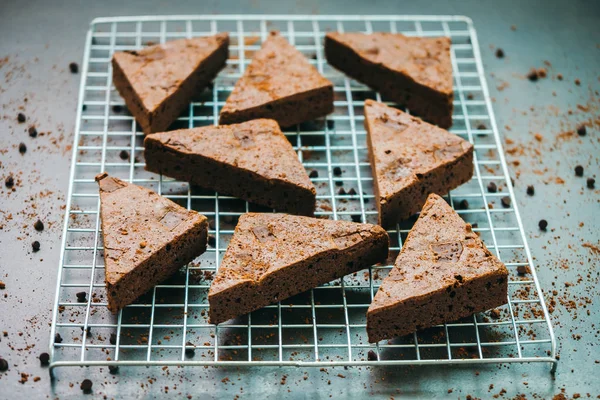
577,82
314,174
505,201
352,192
542,73
2,285
581,130
9,181
32,131
590,183
124,154
500,53
22,148
371,356
212,241
113,369
341,192
463,205
81,297
58,338
86,386
74,67
559,77
356,218
117,108
495,313
523,269
492,188
579,170
533,75
35,246
3,365
337,171
543,224
39,225
44,359
21,118
113,339
530,190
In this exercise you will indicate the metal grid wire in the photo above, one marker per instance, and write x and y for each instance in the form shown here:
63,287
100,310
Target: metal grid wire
322,327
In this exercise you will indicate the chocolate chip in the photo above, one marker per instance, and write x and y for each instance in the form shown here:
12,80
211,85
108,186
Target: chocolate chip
341,192
212,241
314,174
86,386
22,148
113,339
463,205
81,297
32,131
505,201
500,53
45,358
481,127
365,199
337,171
339,183
492,188
330,124
581,130
470,96
113,369
530,190
3,364
39,225
356,218
579,170
543,224
58,338
371,356
74,67
117,108
190,351
211,224
590,183
21,118
124,154
9,181
35,246
352,192
532,75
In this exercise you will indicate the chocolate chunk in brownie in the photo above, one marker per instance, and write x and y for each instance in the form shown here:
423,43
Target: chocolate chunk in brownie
414,72
147,238
275,256
252,160
443,273
279,84
158,82
410,159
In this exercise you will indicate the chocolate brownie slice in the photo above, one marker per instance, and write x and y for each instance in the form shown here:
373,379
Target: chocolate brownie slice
275,256
415,72
158,82
410,159
279,84
147,238
443,273
252,160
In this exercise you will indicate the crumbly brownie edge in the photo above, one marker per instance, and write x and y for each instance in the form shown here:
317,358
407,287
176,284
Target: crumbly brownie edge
225,179
284,283
445,305
412,198
429,104
132,100
161,265
287,111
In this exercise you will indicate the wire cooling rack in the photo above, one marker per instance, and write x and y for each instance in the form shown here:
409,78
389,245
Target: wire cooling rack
322,327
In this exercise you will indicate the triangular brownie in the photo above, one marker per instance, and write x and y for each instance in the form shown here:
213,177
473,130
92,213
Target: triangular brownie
252,160
272,257
158,82
443,273
410,159
147,238
415,72
279,84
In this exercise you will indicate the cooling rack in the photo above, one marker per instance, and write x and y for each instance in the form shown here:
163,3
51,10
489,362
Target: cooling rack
322,327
